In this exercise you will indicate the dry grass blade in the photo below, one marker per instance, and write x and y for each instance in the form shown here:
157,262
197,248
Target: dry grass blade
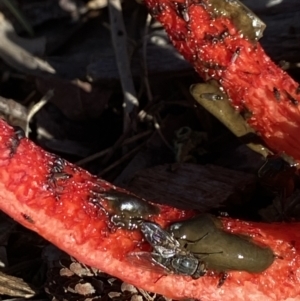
108,150
119,39
36,108
145,67
19,16
121,160
19,53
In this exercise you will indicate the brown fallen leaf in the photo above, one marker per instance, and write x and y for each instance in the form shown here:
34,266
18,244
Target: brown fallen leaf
194,186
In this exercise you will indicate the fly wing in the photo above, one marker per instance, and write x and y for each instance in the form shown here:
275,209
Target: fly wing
149,262
162,241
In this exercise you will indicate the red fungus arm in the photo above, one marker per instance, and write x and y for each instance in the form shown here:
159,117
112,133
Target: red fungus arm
62,209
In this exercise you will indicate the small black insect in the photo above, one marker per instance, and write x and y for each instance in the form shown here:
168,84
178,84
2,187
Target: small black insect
292,100
181,10
57,176
58,165
276,93
19,134
27,218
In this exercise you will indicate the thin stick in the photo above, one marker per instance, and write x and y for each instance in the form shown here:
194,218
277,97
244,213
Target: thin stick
158,128
121,160
115,146
119,40
144,57
106,151
19,16
36,108
29,97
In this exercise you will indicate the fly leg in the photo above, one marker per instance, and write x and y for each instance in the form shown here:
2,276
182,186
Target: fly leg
222,279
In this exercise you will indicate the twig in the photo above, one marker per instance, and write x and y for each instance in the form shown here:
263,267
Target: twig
115,146
158,128
119,40
20,53
19,16
144,57
106,151
29,97
36,108
121,160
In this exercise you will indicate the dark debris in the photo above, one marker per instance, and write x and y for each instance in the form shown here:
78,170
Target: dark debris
83,122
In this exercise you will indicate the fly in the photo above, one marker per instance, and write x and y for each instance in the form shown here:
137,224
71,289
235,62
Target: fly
162,241
199,244
168,257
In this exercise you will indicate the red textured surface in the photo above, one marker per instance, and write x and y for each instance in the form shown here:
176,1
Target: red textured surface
62,214
251,79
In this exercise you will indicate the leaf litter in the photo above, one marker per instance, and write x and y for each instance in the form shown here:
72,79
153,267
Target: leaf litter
120,98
